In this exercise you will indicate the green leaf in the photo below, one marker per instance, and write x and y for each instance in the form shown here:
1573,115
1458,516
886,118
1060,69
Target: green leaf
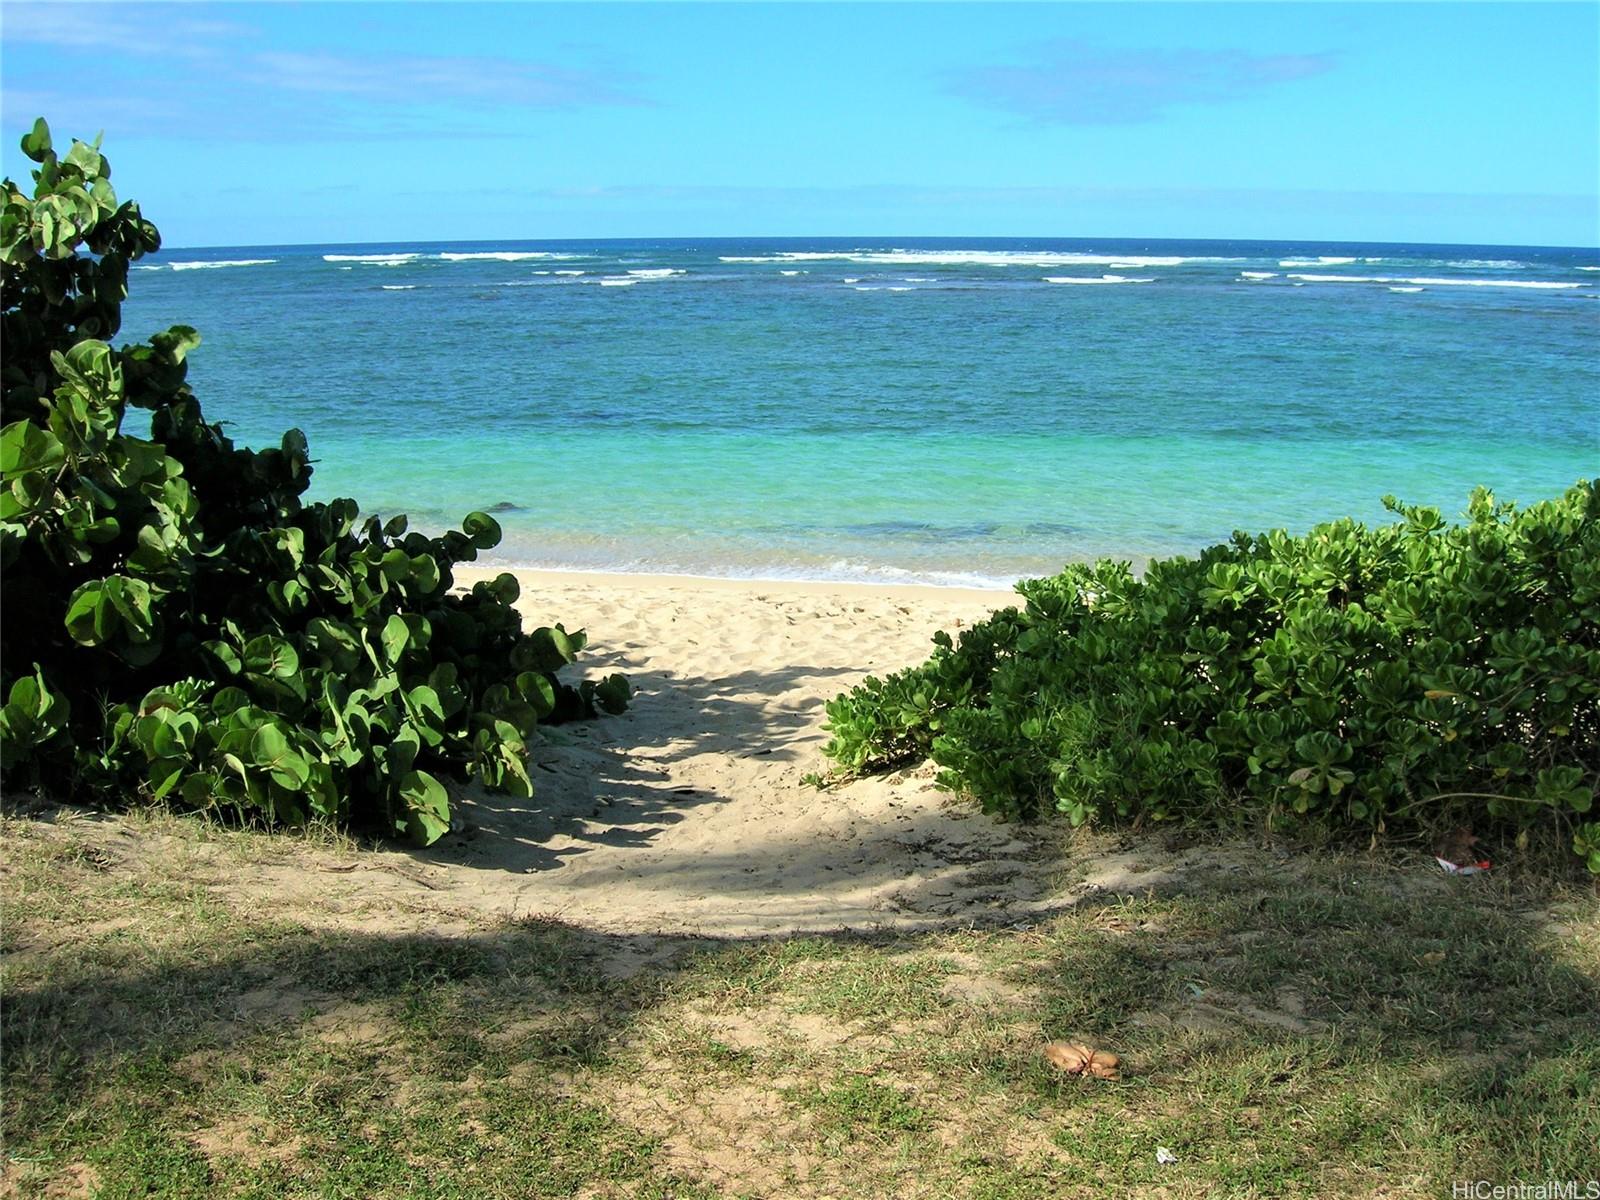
538,690
226,656
395,638
424,702
395,565
482,529
291,771
84,157
25,446
269,655
425,574
426,817
34,715
26,694
164,775
91,618
335,641
403,749
36,142
268,745
200,789
132,600
613,694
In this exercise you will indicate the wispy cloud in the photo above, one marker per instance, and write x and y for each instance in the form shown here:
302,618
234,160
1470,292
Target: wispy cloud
910,196
73,113
123,29
408,78
231,86
1075,83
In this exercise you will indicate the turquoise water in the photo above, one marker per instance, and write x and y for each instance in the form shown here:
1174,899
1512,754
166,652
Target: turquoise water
933,410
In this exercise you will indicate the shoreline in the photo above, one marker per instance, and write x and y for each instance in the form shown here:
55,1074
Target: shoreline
550,578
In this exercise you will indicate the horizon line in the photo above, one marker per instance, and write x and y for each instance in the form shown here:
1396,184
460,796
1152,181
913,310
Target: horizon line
795,237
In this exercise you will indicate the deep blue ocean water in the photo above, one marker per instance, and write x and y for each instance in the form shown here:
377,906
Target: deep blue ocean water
940,410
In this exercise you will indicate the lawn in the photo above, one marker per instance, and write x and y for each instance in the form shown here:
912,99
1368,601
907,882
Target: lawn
1289,1023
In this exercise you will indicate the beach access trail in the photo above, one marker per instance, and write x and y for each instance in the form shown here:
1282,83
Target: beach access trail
626,986
688,813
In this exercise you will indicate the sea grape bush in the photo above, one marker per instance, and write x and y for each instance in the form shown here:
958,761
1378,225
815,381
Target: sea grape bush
1361,677
179,620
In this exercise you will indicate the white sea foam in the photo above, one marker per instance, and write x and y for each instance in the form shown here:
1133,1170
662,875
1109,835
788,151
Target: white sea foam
854,570
1405,289
1432,282
793,256
377,260
791,272
501,255
1511,283
1093,279
1589,268
657,273
840,570
1322,260
852,279
1258,274
1349,278
982,258
145,268
614,281
399,287
391,260
232,262
569,272
881,288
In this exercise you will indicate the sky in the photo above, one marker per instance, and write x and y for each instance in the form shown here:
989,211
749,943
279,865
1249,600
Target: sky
301,123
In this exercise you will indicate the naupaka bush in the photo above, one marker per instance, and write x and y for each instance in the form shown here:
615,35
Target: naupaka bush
1364,677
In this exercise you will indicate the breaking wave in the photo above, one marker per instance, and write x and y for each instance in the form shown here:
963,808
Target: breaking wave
232,262
980,258
1093,279
1432,282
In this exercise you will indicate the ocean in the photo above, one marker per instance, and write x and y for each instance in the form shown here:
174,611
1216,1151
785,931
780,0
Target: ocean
949,411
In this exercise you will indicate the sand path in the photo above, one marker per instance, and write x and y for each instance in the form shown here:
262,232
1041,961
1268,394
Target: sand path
688,813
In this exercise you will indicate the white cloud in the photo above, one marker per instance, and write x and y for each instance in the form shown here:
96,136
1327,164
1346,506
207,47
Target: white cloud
125,29
430,79
1075,83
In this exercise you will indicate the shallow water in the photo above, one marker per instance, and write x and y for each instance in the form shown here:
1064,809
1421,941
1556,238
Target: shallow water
939,410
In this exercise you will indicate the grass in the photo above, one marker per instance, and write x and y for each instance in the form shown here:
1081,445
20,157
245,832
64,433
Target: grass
1334,1026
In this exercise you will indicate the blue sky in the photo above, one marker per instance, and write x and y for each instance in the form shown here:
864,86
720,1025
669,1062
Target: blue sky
237,124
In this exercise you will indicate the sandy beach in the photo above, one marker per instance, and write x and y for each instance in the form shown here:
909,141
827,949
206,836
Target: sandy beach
688,813
775,342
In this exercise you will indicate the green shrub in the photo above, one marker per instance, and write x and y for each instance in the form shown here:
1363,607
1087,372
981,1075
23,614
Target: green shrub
178,620
1372,678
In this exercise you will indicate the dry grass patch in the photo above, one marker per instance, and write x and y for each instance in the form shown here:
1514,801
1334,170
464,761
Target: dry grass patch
1288,1027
